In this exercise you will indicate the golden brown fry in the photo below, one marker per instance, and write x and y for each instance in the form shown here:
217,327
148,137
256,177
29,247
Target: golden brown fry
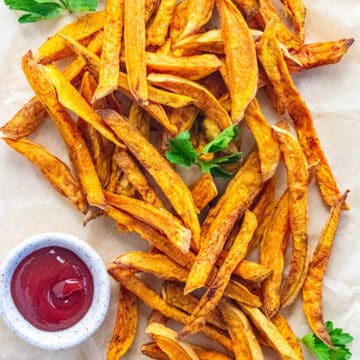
245,344
190,67
184,117
165,48
297,174
241,61
268,147
216,290
168,342
168,180
150,7
110,54
312,289
178,24
285,330
125,325
271,334
203,191
157,317
250,271
78,152
152,299
157,31
239,194
204,99
249,7
160,219
134,37
152,351
58,174
296,10
139,119
272,252
83,27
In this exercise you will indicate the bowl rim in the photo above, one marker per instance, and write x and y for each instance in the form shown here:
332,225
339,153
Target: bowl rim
87,325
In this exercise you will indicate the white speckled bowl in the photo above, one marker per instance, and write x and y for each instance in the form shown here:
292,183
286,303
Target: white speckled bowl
83,329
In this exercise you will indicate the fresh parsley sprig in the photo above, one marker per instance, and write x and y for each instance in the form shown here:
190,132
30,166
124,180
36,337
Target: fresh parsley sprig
37,10
182,153
322,351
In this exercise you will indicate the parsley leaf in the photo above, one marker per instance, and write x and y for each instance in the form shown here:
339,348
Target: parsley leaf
322,351
222,140
80,5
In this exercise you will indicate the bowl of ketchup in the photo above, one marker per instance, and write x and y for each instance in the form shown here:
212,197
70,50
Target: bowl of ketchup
54,291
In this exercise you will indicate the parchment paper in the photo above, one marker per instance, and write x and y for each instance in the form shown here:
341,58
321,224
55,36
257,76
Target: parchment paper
30,206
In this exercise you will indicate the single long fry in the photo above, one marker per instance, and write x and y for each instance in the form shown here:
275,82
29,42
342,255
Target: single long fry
272,252
312,289
169,181
157,31
78,152
239,194
216,290
241,61
58,174
125,325
204,99
152,299
168,342
268,147
298,175
110,54
296,10
203,191
134,36
83,27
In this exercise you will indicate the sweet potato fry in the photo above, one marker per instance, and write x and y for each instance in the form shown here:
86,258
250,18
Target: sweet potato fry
269,152
157,317
271,334
139,119
152,351
56,172
78,152
216,290
160,219
152,299
272,252
190,67
150,7
250,271
297,174
184,118
178,23
238,196
168,342
296,10
165,48
241,61
110,54
312,289
125,325
249,7
169,181
203,191
55,47
204,99
134,37
157,31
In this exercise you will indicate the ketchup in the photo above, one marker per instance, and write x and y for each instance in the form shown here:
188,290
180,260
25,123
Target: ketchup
52,288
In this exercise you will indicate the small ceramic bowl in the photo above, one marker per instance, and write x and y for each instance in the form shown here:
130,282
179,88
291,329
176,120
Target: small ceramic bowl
83,329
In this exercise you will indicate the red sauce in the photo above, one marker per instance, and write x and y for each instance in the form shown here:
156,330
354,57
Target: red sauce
52,288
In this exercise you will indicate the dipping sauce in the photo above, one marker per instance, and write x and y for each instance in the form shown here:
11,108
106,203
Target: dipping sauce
52,288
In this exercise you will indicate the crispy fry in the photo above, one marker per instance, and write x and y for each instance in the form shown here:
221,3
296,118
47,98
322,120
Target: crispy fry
249,7
178,23
312,289
152,299
245,344
157,31
168,342
110,54
250,271
134,36
55,47
272,252
268,147
125,325
139,119
204,99
58,174
241,61
150,7
238,196
271,334
184,118
78,152
297,174
216,290
203,191
160,219
296,10
169,181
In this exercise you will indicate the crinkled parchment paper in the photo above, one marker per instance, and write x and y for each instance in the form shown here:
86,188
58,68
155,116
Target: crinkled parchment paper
28,205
